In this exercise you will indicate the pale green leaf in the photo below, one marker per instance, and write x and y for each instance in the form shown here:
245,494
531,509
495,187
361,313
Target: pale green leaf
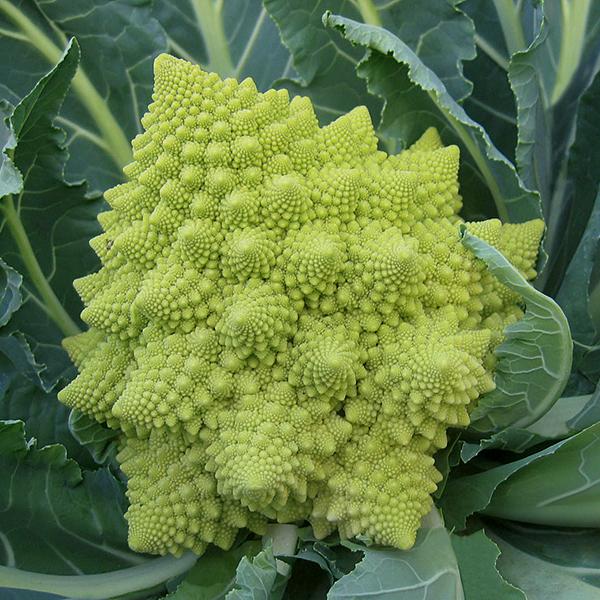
546,561
467,494
256,578
569,415
428,571
214,573
534,360
561,488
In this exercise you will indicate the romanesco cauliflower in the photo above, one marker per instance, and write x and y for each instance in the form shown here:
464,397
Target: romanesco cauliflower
286,322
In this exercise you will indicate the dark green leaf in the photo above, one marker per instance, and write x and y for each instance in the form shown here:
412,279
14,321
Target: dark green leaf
416,99
10,292
438,32
119,40
477,556
574,293
427,570
307,582
534,146
546,561
491,103
48,257
44,416
548,80
446,459
325,66
100,441
54,518
534,361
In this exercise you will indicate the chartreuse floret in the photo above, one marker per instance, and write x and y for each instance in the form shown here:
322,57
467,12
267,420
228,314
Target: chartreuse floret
286,322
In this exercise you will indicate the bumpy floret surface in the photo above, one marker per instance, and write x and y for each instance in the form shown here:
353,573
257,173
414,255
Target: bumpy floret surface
286,322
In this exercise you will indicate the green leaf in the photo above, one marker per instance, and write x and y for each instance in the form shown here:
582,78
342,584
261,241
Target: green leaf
255,579
544,561
234,38
214,573
10,292
49,258
561,488
534,361
111,90
477,557
415,99
427,570
467,494
54,518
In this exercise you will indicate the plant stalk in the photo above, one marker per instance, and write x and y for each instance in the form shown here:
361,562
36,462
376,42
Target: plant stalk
53,306
369,12
211,25
510,22
574,25
102,586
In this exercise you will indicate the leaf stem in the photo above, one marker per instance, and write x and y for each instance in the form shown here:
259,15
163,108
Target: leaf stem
102,586
51,303
574,23
213,34
369,12
111,132
510,22
484,45
284,538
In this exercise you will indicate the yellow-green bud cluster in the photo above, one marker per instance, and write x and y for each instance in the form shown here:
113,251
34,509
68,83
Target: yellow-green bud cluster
286,322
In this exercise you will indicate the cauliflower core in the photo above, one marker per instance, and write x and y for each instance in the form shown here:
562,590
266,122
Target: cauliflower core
286,322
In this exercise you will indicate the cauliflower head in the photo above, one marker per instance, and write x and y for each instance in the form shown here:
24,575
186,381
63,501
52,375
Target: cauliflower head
285,322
